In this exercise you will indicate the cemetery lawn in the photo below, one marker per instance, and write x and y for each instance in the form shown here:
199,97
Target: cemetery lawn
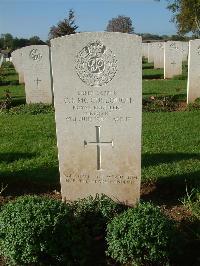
170,153
170,149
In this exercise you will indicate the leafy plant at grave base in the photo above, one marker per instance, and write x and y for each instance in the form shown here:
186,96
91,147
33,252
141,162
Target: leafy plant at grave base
96,212
32,109
161,104
194,106
1,78
7,65
141,236
41,231
6,103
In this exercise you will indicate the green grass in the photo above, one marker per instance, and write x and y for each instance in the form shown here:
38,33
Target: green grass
164,88
28,149
9,84
152,73
192,202
16,92
170,149
171,145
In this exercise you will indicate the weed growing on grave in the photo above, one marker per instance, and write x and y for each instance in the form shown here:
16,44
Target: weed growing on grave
192,202
141,235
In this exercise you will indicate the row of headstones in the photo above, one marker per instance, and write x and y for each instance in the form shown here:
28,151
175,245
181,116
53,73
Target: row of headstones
33,65
170,56
97,82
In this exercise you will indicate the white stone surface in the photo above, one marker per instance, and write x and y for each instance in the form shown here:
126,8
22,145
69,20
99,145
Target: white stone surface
37,74
185,50
150,52
145,50
1,59
172,59
18,63
158,55
193,87
98,104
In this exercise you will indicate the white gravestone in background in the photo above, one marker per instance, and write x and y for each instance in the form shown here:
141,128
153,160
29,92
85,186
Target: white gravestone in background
159,55
193,87
1,59
18,63
37,74
145,50
150,52
185,51
98,105
172,59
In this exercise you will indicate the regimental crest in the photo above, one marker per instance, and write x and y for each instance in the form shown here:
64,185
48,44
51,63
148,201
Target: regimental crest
95,64
35,55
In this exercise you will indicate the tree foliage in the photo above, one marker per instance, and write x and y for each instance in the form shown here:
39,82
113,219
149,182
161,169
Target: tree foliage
120,24
8,42
64,27
186,15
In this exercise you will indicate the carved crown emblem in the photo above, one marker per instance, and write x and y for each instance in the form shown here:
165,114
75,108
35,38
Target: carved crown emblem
95,64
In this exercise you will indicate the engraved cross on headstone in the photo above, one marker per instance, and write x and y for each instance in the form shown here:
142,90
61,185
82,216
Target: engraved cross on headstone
98,143
37,80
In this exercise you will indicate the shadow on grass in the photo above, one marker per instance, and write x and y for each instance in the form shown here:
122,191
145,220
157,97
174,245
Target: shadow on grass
160,158
11,157
152,76
39,180
18,101
147,67
170,190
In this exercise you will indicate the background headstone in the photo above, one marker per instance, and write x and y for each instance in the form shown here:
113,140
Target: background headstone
185,51
159,55
98,104
18,64
1,59
150,52
172,59
37,74
193,87
145,50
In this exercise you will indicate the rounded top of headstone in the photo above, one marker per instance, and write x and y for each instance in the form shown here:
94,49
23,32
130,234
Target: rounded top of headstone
97,35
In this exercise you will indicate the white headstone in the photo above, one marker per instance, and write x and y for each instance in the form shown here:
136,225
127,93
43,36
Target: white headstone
150,52
193,88
145,50
18,64
37,74
1,59
159,55
172,59
185,50
98,95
